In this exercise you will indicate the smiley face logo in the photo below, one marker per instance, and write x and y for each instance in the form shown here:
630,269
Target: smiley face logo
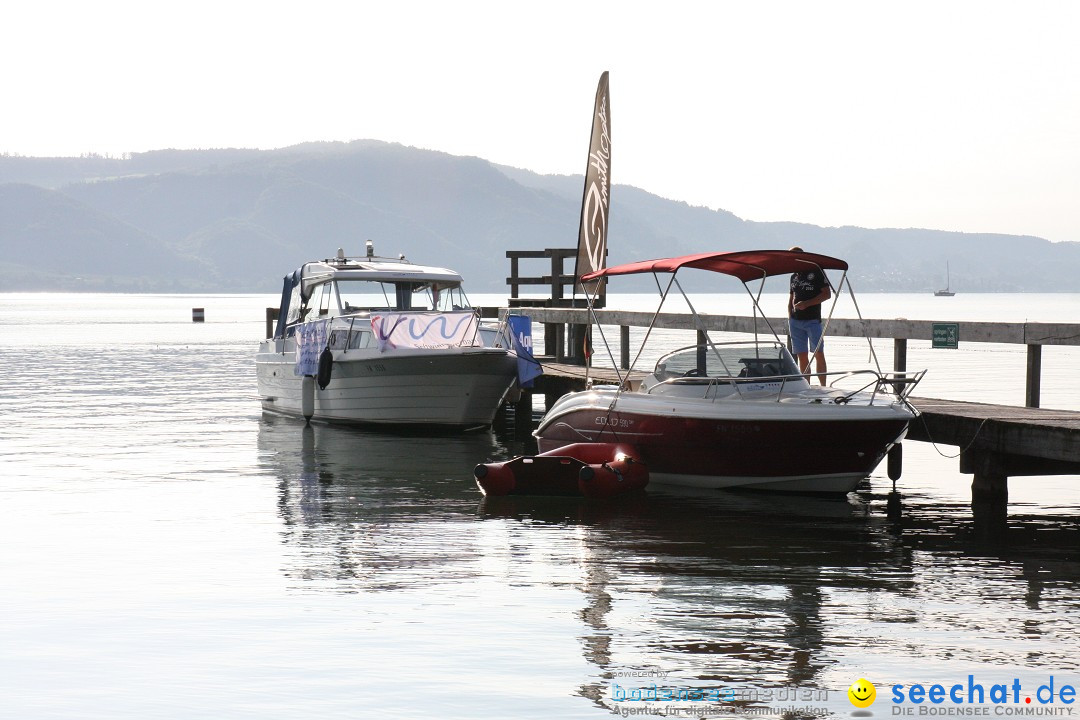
861,693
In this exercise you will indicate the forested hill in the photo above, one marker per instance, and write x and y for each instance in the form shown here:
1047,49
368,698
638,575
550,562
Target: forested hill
238,220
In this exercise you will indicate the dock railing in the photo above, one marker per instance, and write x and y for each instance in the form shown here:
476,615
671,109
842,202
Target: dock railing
563,336
1032,335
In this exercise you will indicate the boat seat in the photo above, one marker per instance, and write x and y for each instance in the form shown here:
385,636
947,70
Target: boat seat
692,380
759,367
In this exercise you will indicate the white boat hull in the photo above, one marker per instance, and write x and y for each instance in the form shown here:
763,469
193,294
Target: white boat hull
831,484
457,388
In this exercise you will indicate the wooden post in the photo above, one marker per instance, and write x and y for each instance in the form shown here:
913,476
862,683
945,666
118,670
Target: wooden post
989,492
624,347
899,360
552,395
576,335
556,276
271,320
900,354
551,339
513,275
1034,375
702,348
523,414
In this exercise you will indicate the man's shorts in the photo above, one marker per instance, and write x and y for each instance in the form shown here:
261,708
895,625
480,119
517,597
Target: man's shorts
805,335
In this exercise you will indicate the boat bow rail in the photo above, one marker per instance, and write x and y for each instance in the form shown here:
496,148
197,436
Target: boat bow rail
764,370
879,388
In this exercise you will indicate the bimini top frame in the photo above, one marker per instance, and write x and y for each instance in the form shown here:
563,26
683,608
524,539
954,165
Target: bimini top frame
747,266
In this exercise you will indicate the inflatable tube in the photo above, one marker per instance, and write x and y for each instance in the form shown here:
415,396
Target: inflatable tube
591,469
494,478
617,477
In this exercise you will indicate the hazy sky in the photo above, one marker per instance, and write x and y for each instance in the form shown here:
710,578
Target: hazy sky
951,115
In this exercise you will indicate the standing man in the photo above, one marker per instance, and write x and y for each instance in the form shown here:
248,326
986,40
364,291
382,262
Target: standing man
809,288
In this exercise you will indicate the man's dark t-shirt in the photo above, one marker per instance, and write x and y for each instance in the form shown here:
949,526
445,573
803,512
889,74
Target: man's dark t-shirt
806,285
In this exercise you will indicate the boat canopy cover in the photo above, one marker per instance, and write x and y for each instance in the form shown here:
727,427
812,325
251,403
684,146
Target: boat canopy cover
378,270
746,265
311,274
291,281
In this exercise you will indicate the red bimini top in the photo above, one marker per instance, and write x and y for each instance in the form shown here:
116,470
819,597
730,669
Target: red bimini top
746,265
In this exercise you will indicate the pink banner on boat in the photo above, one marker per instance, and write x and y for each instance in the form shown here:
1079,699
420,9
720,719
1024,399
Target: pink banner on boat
425,330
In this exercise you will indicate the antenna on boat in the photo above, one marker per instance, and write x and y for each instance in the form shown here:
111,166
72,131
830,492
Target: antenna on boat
370,246
340,254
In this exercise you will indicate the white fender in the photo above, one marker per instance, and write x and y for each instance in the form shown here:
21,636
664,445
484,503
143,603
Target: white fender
307,396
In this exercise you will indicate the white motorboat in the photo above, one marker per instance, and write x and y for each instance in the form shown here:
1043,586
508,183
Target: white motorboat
740,414
383,342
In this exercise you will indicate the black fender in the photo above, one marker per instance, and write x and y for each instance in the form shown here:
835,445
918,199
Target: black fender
326,368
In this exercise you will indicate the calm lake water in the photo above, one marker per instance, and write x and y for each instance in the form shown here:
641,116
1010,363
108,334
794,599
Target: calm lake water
168,551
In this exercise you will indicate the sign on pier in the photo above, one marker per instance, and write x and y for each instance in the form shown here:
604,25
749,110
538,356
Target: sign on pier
946,335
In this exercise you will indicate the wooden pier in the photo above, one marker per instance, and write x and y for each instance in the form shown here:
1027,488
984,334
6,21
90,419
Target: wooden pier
1032,335
998,442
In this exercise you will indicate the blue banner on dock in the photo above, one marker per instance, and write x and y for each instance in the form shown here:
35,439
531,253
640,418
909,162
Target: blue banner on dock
521,331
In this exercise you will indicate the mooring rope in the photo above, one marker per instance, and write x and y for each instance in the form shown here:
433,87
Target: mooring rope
922,416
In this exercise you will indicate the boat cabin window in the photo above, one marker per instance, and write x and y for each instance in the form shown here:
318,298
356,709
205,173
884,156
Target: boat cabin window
324,299
368,295
318,305
296,306
447,297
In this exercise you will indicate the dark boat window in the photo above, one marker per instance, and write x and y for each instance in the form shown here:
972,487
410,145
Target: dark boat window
403,292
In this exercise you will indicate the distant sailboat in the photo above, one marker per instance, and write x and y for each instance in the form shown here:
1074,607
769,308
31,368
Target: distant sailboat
946,292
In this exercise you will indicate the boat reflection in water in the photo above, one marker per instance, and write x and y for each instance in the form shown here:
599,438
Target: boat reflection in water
725,589
728,588
373,510
709,589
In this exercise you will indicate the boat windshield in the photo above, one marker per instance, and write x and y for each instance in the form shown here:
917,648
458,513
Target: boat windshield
369,295
728,361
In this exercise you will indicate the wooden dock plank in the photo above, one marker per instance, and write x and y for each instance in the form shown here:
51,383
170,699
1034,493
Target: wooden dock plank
1052,435
897,328
568,371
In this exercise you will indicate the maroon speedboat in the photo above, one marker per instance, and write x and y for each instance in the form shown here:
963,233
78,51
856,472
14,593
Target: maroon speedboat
740,414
